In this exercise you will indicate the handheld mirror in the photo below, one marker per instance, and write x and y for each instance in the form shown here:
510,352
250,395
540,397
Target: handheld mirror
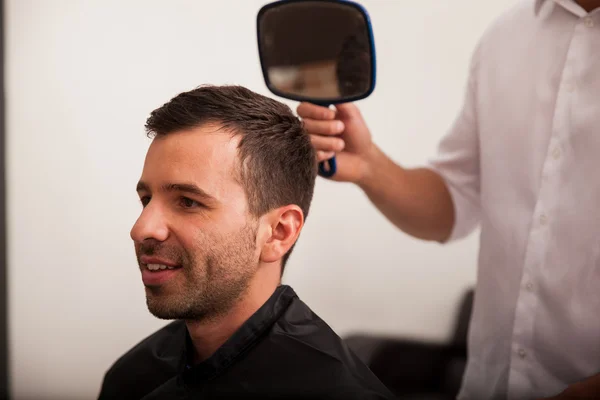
318,51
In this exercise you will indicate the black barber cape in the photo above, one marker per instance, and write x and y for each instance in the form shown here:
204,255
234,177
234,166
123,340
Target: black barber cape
283,351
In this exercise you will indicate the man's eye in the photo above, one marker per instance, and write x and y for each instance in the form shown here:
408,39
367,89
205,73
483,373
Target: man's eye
145,200
189,203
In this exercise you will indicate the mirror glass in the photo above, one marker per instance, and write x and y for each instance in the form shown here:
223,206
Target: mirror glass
318,51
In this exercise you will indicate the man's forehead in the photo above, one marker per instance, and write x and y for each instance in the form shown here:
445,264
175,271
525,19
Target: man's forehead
196,145
198,153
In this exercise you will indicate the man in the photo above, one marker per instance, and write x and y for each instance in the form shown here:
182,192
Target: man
521,161
226,187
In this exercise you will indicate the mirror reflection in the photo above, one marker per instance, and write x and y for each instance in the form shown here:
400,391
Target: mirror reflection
316,50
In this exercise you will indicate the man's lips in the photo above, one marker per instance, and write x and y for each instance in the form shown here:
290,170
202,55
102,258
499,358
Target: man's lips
156,271
149,260
156,278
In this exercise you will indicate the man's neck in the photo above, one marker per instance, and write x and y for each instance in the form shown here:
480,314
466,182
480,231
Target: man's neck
207,336
589,5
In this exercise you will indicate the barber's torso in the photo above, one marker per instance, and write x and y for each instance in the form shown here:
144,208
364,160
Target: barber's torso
536,319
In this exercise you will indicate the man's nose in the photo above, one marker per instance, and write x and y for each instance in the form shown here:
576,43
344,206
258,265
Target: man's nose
151,224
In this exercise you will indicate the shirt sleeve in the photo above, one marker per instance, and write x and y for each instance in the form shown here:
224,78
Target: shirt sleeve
457,160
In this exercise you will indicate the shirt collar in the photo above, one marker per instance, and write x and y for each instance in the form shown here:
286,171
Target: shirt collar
545,7
245,337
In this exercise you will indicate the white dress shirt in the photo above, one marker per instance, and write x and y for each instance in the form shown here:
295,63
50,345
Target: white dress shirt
522,161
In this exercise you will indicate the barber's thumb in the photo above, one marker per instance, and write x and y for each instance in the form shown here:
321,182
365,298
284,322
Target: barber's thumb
348,111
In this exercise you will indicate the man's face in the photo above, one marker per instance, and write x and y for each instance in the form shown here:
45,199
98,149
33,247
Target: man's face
195,239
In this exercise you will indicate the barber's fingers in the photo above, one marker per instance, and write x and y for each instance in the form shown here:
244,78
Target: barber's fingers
323,143
313,111
324,155
317,127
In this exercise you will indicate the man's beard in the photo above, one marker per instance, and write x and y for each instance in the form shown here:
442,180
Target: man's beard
209,282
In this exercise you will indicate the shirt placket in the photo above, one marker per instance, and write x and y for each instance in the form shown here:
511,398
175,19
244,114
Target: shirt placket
522,357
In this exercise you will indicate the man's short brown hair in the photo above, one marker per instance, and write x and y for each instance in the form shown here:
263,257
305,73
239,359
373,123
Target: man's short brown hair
277,160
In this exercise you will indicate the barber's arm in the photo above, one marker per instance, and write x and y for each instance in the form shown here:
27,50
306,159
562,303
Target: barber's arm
415,200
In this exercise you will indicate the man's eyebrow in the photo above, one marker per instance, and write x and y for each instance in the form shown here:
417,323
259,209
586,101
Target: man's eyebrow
187,188
178,187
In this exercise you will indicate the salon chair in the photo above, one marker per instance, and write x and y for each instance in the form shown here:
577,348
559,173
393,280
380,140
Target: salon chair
414,369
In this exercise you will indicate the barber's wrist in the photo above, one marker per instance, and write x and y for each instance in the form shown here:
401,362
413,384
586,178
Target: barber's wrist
369,165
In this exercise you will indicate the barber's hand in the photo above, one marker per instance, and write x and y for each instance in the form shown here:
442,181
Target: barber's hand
587,389
343,134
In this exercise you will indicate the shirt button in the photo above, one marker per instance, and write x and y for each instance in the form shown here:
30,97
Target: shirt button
556,153
529,286
588,21
543,219
522,353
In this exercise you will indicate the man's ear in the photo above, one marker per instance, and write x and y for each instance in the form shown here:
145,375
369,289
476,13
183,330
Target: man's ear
283,228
